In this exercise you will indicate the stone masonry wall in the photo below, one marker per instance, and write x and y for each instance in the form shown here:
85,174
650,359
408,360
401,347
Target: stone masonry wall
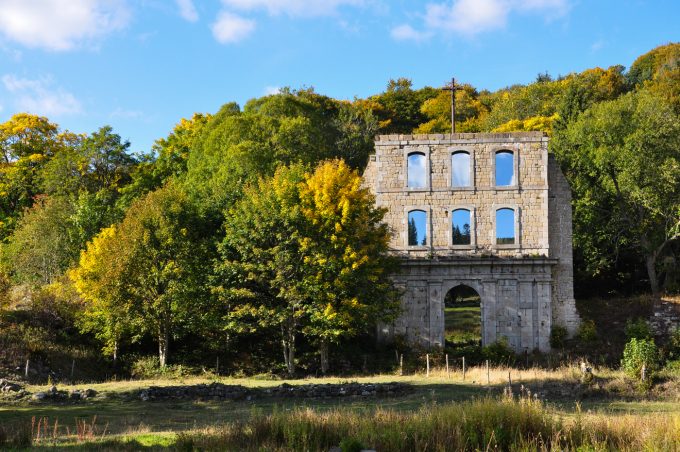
387,176
561,248
526,287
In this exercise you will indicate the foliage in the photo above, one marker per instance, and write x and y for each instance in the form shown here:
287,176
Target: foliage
149,367
587,332
42,245
558,334
147,274
399,107
499,352
306,253
638,329
623,160
639,353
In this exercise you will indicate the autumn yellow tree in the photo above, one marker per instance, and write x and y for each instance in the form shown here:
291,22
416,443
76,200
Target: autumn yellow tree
305,253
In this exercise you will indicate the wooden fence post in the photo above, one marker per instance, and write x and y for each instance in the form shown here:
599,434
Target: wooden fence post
463,368
401,364
427,359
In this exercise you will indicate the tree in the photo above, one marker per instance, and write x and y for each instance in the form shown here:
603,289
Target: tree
42,246
99,280
346,266
623,160
27,143
400,106
307,253
162,264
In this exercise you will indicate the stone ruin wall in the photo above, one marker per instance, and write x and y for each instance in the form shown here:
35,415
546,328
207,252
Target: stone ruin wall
526,287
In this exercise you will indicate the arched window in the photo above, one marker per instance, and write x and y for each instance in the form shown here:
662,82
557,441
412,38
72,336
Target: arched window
460,169
505,168
417,228
417,176
460,227
505,226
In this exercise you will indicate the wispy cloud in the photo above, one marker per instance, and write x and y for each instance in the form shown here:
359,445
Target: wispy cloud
304,8
405,32
187,10
61,25
230,28
271,90
472,17
39,96
597,45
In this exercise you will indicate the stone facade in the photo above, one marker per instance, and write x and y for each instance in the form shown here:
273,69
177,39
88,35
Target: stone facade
526,287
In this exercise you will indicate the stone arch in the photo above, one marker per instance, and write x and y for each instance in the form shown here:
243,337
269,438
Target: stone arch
476,286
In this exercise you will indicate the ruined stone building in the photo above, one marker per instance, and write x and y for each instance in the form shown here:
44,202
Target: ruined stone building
488,211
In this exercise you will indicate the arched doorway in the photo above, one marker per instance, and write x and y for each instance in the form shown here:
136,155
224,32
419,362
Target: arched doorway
462,317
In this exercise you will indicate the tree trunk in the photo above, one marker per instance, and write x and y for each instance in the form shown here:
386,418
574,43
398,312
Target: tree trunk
323,350
650,261
288,342
163,346
115,354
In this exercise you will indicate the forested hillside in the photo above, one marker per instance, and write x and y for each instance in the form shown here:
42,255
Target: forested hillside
245,234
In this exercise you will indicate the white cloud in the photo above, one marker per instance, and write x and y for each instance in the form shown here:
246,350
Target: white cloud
306,8
60,24
271,90
40,97
597,45
230,28
471,17
187,10
405,32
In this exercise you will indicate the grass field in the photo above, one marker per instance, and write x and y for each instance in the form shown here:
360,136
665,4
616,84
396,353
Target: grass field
118,414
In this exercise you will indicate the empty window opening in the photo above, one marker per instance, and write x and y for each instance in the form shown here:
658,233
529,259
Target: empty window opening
460,227
505,226
505,168
416,170
460,169
417,228
462,317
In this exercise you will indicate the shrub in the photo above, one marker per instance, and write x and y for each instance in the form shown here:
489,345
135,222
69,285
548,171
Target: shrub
587,332
499,352
673,345
638,329
638,353
150,367
558,334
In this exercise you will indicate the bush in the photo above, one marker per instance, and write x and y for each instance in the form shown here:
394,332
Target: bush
638,329
587,332
558,334
150,367
638,353
499,352
673,346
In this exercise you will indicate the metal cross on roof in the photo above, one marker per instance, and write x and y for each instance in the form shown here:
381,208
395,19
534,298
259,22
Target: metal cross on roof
453,88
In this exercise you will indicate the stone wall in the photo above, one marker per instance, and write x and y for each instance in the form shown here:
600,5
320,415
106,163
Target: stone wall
525,287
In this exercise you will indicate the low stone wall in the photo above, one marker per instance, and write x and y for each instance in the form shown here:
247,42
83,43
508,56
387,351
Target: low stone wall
219,391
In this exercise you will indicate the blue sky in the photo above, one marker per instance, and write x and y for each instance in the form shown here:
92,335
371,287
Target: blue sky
141,65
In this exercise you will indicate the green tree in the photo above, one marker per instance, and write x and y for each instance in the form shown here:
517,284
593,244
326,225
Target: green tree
162,267
306,253
42,246
399,107
623,160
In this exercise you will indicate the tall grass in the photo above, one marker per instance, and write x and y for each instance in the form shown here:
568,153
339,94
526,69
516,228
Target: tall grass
485,424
